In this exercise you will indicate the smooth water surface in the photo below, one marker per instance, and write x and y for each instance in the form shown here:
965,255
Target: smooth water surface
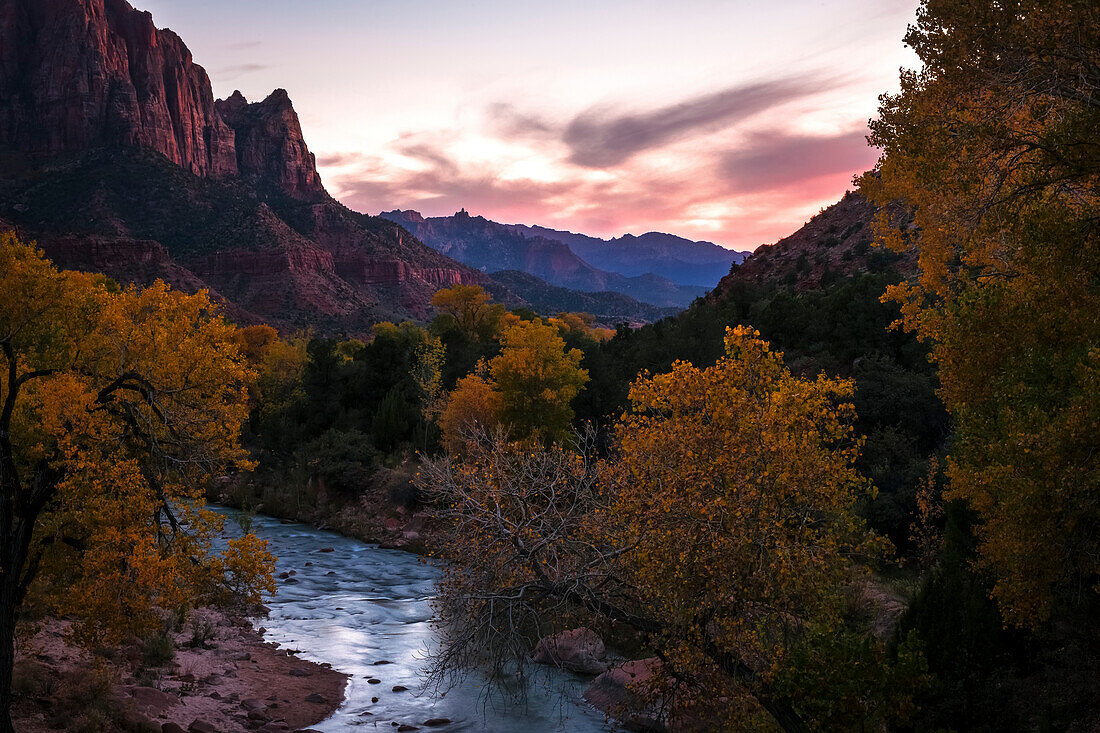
358,605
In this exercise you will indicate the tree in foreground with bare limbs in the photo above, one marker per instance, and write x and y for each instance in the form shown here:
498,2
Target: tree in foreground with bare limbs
719,533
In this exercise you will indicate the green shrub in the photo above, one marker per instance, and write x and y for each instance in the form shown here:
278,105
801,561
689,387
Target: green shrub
344,460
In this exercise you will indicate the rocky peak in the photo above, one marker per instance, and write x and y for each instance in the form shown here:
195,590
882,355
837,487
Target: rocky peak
398,215
82,74
270,147
79,74
232,106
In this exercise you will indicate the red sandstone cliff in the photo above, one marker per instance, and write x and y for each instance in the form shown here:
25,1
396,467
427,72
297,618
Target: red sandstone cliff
270,146
89,87
76,74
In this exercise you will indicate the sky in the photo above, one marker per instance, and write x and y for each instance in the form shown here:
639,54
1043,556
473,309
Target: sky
732,121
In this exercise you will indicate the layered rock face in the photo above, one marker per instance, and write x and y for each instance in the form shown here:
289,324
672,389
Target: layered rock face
127,165
270,147
76,74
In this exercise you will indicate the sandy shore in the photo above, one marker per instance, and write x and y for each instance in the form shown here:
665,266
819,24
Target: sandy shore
221,679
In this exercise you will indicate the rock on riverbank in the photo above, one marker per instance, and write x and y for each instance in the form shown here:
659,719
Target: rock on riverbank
217,675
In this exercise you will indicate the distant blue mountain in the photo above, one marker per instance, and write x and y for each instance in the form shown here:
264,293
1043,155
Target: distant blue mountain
658,269
683,261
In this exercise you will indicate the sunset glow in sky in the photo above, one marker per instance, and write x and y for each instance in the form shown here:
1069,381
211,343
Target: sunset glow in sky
727,120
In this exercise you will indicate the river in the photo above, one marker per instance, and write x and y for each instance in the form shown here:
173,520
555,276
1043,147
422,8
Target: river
357,605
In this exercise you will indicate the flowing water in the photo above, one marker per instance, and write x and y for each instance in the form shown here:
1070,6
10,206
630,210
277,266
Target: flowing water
358,605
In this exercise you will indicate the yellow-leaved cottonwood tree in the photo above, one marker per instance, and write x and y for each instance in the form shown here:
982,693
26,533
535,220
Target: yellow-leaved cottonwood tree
117,407
994,144
527,388
721,529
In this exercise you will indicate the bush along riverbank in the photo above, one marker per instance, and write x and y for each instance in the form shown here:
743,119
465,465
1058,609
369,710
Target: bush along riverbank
385,510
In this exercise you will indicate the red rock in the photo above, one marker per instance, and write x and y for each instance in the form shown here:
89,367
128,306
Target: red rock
152,701
619,692
101,73
270,147
95,80
579,650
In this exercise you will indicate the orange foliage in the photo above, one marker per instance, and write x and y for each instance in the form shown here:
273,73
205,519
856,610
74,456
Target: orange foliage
537,379
472,308
737,501
473,404
119,408
993,144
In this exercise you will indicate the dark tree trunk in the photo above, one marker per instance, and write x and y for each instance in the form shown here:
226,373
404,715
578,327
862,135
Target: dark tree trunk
7,652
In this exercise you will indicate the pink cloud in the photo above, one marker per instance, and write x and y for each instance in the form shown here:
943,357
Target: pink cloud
742,196
777,160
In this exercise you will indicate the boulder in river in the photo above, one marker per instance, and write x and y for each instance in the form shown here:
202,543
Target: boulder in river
578,650
621,693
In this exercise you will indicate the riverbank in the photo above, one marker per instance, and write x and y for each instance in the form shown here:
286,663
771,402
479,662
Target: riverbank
215,674
386,512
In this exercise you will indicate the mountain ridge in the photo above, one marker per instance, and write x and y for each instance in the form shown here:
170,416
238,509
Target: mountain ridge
837,241
489,246
682,260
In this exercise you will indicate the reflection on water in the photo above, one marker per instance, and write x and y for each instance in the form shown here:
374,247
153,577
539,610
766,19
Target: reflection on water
367,612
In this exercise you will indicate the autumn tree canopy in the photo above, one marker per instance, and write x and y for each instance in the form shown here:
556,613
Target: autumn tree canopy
721,529
472,309
118,408
538,379
527,388
994,145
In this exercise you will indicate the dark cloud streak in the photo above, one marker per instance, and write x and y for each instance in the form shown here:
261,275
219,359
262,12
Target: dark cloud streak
601,137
